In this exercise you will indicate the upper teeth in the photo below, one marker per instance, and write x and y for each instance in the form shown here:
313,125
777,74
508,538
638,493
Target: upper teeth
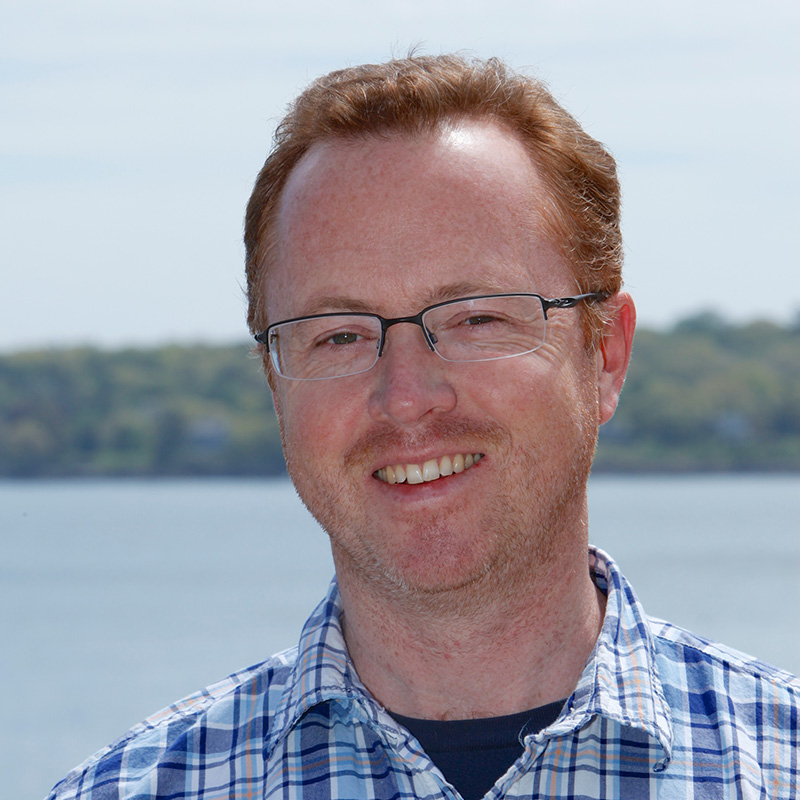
429,471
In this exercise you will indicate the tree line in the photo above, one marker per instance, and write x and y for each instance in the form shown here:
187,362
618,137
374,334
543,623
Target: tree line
703,395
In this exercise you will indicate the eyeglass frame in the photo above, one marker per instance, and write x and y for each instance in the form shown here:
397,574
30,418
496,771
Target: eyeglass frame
416,319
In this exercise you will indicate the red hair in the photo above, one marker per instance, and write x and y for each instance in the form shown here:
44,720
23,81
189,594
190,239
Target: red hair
413,96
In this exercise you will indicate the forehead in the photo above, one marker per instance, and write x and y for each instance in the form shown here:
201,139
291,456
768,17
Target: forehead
463,203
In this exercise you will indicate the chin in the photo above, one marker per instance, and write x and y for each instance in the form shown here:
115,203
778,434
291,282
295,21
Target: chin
435,559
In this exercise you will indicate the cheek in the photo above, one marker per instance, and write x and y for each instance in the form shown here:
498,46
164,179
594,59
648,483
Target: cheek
314,420
540,402
517,390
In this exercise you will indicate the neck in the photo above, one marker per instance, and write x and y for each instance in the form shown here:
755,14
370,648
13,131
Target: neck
504,644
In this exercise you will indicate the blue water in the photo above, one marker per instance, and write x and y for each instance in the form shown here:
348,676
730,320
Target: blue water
117,598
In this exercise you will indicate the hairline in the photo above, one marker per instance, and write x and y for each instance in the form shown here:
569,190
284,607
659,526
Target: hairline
553,221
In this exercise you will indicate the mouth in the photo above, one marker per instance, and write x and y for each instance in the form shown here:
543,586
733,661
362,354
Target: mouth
431,470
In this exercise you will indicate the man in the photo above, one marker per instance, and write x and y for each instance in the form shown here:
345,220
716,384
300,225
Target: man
434,274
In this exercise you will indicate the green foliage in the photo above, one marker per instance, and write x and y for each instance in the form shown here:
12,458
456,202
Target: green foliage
708,395
705,395
169,411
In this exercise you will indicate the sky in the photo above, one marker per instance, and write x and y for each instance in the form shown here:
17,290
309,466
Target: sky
131,133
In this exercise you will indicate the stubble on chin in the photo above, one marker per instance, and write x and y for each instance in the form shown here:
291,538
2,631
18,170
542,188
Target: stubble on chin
521,529
522,524
431,565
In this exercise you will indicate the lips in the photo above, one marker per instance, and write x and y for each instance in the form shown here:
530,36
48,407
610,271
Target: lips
431,470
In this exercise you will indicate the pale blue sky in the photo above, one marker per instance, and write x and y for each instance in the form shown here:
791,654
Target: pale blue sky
132,131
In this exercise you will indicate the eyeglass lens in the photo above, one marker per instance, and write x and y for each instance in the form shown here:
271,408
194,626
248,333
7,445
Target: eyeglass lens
478,329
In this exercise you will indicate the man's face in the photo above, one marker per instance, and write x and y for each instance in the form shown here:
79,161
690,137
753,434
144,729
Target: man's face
390,226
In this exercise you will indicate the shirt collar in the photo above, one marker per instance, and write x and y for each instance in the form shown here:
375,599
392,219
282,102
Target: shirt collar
322,671
620,680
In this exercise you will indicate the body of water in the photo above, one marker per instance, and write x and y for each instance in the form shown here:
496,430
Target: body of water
120,597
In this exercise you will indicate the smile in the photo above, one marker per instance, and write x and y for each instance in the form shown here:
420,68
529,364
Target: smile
429,471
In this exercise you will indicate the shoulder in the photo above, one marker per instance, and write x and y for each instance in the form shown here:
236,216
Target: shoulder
699,661
216,715
727,705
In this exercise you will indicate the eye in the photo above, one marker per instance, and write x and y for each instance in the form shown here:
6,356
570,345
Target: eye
479,319
356,336
342,337
467,318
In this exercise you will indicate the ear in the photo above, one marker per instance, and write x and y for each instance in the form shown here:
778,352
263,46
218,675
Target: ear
614,353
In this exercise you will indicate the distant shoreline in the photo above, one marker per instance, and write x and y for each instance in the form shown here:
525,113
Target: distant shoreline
703,397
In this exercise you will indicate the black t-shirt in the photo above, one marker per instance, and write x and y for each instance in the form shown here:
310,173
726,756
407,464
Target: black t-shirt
473,753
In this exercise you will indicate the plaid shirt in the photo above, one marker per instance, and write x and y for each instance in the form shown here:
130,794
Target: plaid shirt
658,712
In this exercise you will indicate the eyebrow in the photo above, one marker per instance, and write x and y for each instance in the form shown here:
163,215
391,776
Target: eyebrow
454,291
329,303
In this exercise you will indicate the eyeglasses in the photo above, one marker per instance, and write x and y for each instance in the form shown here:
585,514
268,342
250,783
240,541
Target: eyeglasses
483,328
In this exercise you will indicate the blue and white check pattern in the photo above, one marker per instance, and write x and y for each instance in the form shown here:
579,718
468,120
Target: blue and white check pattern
657,713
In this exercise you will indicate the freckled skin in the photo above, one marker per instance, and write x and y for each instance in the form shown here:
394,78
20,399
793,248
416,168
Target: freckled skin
392,225
386,224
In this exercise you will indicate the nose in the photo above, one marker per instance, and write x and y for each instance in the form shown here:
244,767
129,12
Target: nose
411,380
